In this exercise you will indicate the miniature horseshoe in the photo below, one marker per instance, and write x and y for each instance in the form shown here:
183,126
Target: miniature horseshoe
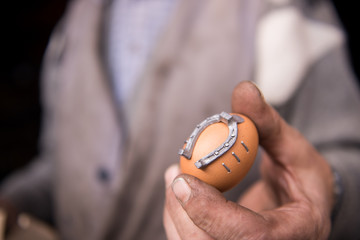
230,120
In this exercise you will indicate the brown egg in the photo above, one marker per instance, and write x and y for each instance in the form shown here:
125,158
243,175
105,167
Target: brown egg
221,150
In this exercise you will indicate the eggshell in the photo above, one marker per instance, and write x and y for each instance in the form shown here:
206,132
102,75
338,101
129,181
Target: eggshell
216,174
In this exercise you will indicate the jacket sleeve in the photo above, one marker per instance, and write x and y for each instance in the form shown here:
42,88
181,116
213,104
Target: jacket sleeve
326,109
29,189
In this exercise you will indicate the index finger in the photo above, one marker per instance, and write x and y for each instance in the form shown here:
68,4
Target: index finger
280,140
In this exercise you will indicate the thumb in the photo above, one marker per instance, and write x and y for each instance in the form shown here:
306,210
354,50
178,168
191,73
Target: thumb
211,212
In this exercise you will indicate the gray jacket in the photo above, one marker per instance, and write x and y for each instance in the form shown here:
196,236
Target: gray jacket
100,174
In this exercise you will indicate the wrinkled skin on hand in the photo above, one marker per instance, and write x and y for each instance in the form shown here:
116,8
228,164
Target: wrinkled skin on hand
292,200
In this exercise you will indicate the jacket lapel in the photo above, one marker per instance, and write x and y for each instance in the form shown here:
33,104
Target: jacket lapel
197,63
83,121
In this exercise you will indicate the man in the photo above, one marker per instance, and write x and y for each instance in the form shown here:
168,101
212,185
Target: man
105,150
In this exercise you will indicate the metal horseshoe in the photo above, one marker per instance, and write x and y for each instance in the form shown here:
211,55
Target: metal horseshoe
230,120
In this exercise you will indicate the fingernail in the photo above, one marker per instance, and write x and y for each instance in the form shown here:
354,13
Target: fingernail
181,190
258,88
170,174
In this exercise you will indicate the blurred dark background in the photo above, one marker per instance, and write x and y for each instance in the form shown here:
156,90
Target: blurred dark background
25,30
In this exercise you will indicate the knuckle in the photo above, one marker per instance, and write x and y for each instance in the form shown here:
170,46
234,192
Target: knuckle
320,227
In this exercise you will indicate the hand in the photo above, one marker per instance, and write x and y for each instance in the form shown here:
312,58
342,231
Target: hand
293,200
